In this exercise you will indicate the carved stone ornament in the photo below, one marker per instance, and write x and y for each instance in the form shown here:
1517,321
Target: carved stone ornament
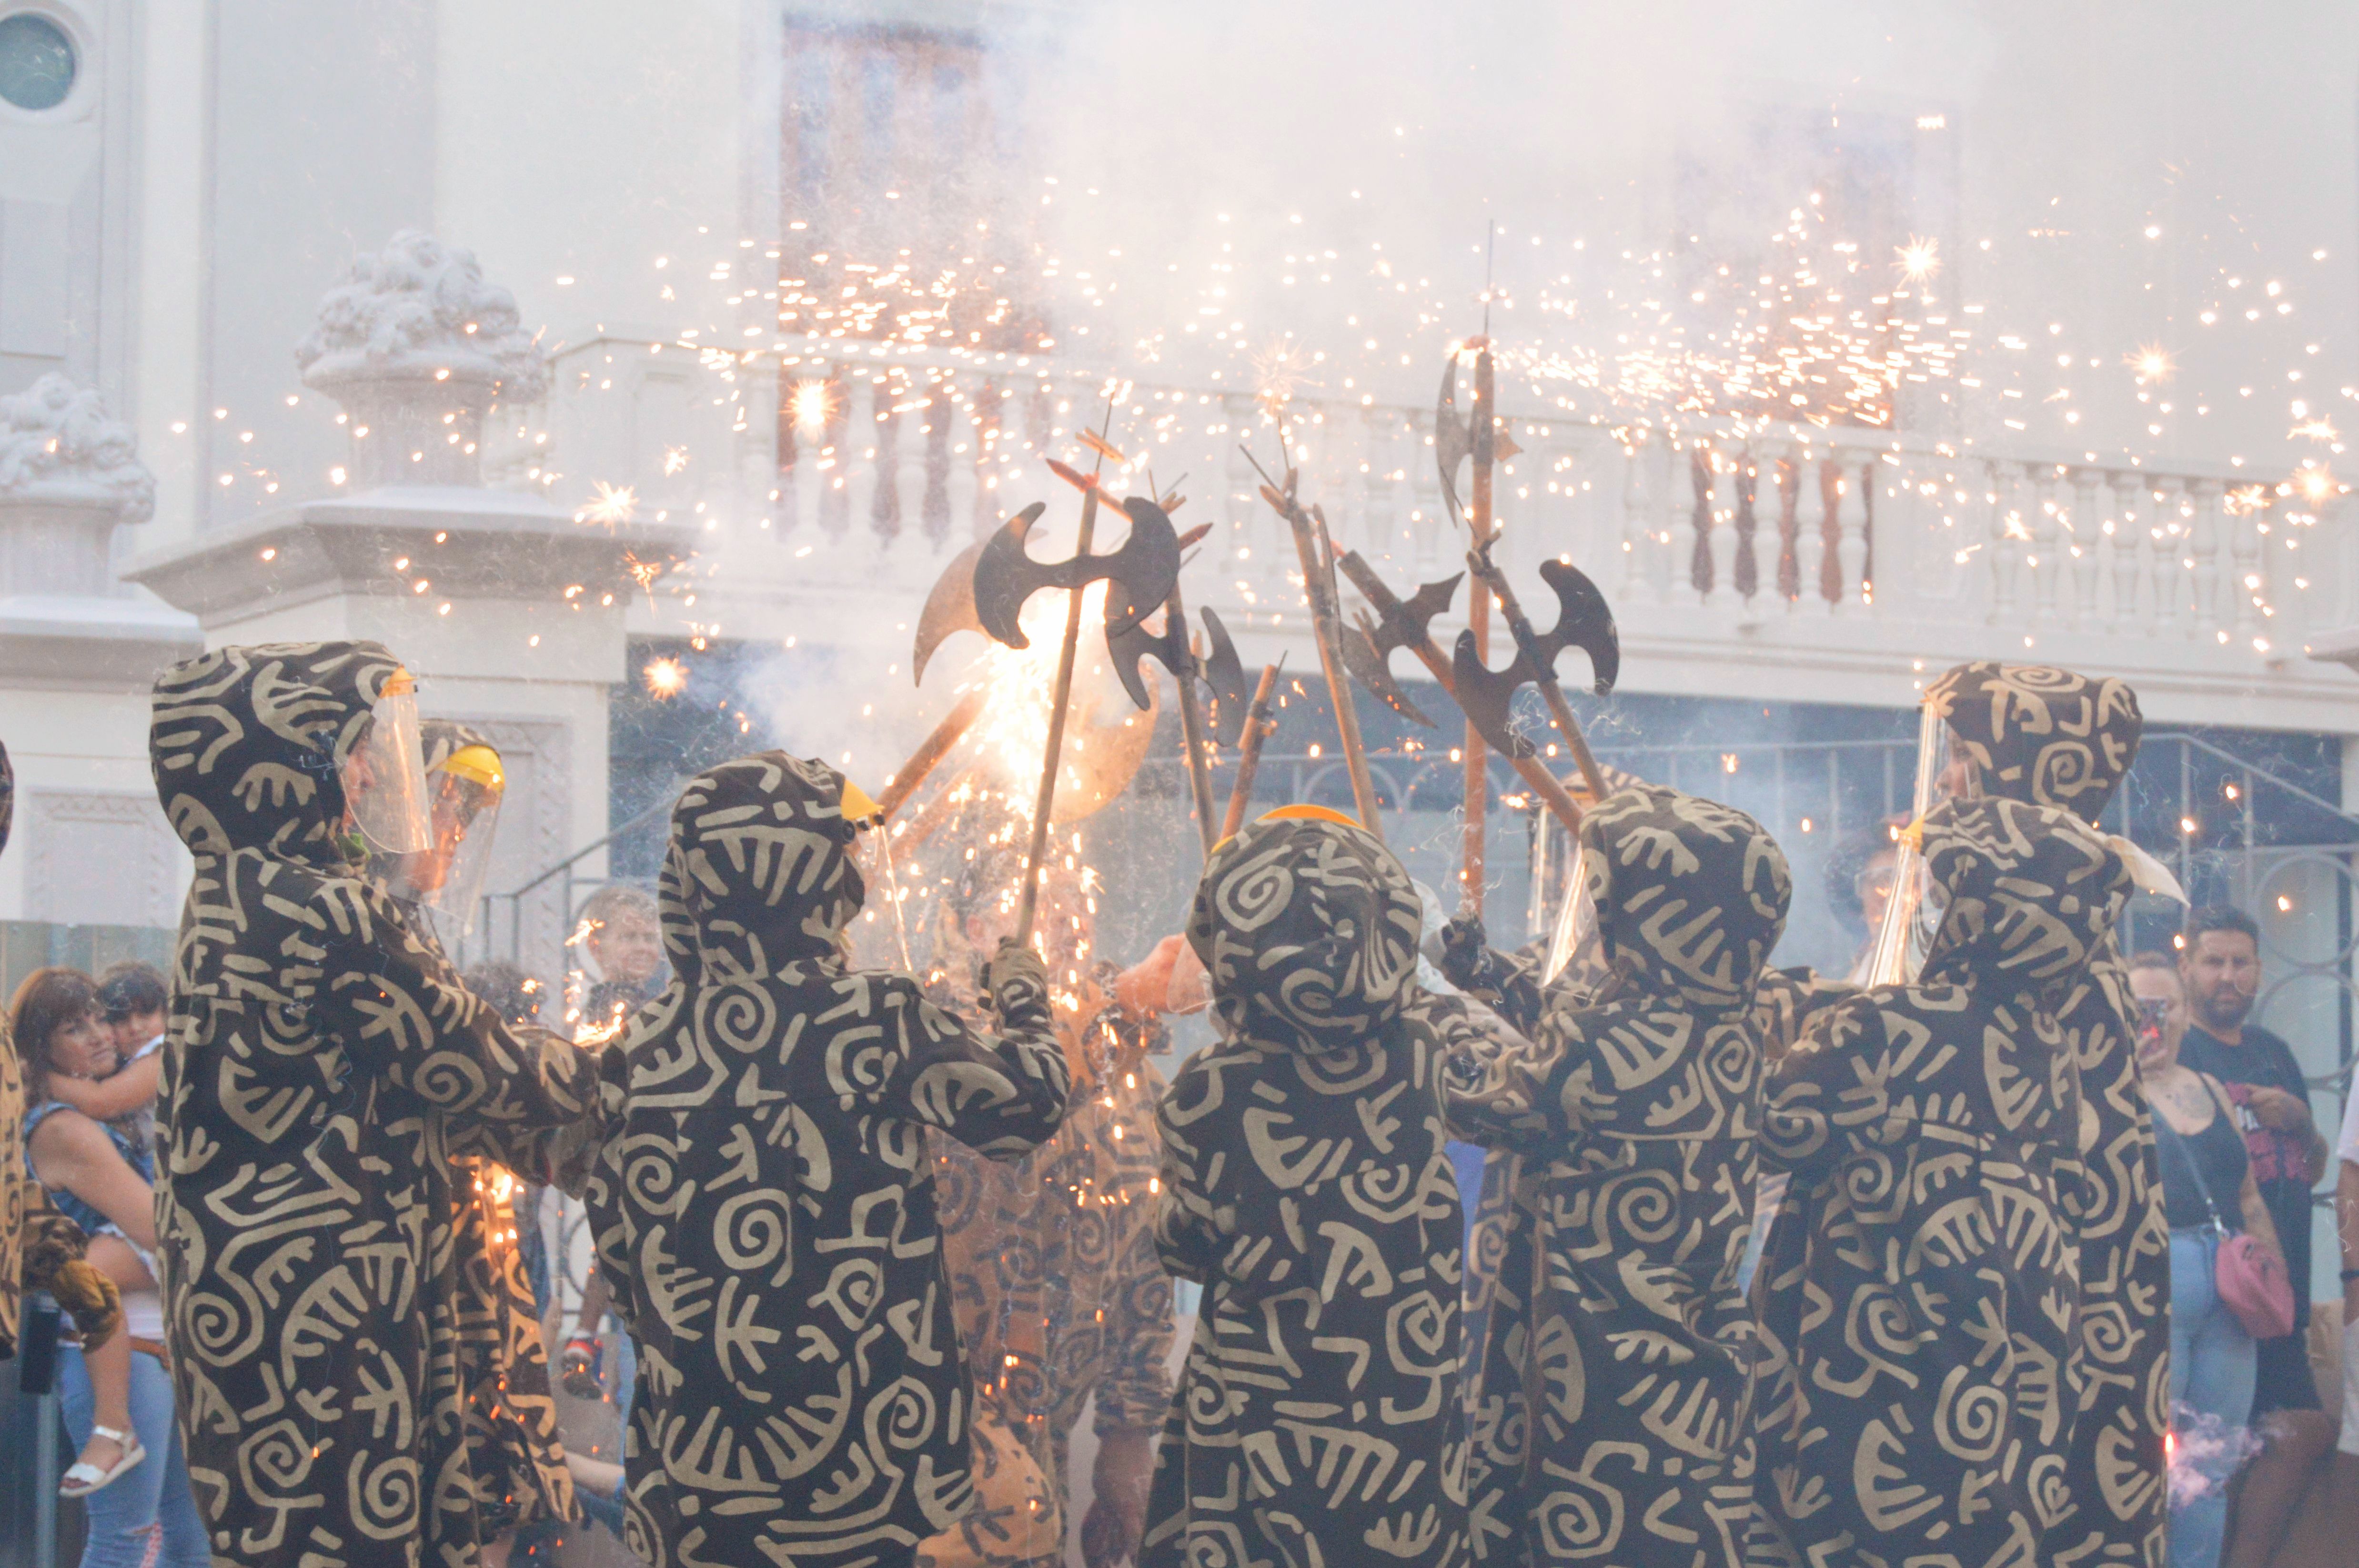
57,443
416,346
68,476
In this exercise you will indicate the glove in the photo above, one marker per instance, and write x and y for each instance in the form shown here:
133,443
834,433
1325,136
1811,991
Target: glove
53,1260
1467,961
1014,979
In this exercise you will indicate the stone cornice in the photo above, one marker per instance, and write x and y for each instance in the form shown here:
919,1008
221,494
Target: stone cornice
461,543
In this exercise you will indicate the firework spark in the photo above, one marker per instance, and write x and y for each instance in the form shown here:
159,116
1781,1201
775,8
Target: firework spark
609,505
665,678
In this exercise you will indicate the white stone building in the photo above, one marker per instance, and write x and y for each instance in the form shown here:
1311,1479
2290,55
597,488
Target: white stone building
182,185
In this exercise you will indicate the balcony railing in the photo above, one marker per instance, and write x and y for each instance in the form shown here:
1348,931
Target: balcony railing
849,482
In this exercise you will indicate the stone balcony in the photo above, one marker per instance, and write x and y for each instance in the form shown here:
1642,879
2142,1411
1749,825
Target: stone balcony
1804,564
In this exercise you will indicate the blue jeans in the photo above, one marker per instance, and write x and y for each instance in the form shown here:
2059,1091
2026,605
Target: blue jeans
2212,1368
153,1496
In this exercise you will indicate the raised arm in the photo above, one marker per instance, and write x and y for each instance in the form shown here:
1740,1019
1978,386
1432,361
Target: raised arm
104,1099
1001,1095
406,1014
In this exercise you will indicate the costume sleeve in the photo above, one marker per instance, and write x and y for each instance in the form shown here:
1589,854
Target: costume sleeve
1786,1002
1828,1093
1138,1387
407,1015
1489,1073
1190,1220
1509,983
1002,1096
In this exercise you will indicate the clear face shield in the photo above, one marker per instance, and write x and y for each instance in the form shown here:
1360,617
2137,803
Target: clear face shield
463,794
384,776
1913,910
1574,943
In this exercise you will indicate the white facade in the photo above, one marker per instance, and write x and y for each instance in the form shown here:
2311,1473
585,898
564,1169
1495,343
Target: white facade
169,230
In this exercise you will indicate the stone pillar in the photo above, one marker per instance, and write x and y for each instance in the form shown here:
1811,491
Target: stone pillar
78,653
507,608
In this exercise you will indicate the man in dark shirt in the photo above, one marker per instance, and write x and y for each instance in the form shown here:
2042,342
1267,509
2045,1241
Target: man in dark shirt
2219,958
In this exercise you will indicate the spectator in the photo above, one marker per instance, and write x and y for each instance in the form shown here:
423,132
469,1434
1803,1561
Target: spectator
2203,1161
131,1000
625,945
132,1473
2220,962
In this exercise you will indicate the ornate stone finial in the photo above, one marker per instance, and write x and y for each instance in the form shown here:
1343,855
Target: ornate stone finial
416,346
415,307
58,447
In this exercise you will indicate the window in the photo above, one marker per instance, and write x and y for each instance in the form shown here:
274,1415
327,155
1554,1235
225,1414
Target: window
36,62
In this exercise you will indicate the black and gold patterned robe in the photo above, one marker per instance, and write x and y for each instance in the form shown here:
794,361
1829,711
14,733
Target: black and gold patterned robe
766,1207
2054,738
1060,1300
1306,1188
323,1071
1914,1380
1607,1408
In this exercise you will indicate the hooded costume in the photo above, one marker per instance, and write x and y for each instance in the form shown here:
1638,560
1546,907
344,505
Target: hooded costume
1915,1383
2053,738
1306,1188
1607,1401
1059,1296
766,1209
322,1068
40,1249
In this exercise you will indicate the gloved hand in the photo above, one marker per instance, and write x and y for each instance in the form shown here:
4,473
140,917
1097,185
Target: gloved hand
1015,979
1467,961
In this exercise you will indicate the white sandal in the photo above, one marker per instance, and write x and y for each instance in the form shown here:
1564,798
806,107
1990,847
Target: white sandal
82,1479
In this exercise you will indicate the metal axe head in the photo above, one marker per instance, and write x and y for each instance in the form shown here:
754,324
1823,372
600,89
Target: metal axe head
1222,671
950,607
1126,648
1583,620
1454,438
1138,575
1368,647
1485,696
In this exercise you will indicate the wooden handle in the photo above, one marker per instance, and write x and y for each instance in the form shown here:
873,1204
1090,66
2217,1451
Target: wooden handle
1191,728
1257,729
929,751
1028,901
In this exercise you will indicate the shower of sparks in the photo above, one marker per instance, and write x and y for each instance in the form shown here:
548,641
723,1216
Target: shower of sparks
1920,258
675,458
665,678
1279,371
609,505
2152,362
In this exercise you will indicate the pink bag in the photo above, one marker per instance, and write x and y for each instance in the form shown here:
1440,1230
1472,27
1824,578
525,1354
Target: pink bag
2252,1280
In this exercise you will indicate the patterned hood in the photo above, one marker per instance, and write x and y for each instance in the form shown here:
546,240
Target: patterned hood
1310,930
1691,894
2029,891
245,743
2045,737
7,797
759,874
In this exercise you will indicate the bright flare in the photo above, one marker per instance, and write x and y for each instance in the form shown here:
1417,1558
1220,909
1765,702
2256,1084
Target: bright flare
665,677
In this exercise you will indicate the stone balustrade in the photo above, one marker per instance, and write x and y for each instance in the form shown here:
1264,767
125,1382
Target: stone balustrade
1865,555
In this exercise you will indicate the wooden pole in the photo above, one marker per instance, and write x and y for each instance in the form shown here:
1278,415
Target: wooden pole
1257,730
1192,725
1478,621
931,751
1028,903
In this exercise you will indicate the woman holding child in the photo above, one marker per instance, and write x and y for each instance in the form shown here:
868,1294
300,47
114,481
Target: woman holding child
117,1397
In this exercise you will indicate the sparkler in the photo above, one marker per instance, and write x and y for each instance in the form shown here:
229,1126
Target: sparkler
609,505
